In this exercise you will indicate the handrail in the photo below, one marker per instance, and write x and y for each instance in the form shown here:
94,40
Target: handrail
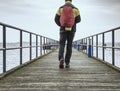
99,44
44,44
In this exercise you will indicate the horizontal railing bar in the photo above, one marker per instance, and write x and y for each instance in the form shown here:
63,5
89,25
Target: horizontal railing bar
116,47
24,47
102,46
9,26
100,33
106,31
108,47
83,44
15,48
19,29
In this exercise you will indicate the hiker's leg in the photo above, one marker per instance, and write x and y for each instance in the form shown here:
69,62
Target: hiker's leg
70,38
63,37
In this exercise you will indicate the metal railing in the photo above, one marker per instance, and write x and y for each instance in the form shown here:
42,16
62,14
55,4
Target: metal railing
105,46
41,44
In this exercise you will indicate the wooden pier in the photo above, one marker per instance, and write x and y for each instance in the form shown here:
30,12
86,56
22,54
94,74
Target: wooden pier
84,74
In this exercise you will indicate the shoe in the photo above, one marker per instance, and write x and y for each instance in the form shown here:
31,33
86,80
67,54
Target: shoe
61,65
67,66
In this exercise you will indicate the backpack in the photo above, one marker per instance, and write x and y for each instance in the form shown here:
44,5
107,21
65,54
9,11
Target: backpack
67,18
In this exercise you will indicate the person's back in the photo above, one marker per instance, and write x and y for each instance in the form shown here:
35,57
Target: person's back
67,18
66,32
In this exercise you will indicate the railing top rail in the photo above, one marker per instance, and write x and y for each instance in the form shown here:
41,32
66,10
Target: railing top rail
19,29
100,33
3,24
106,31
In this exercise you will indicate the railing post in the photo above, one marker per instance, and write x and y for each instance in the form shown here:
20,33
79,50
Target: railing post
89,48
21,47
54,44
40,45
4,50
103,44
86,44
36,46
92,45
44,44
78,47
83,44
96,46
30,46
113,51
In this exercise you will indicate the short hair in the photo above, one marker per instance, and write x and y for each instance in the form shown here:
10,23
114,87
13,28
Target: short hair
68,0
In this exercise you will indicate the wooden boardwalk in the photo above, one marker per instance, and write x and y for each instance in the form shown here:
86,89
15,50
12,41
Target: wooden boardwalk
84,74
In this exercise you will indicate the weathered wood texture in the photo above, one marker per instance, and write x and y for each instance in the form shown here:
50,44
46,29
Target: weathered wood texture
84,74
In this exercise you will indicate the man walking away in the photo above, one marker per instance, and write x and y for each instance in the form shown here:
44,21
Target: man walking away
66,17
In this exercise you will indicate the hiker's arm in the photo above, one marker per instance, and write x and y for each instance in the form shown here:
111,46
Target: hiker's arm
77,19
57,19
77,16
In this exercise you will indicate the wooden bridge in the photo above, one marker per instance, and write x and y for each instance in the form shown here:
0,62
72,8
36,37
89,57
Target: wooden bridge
42,73
84,74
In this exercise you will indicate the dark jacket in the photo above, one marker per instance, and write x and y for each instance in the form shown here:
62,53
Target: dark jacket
76,13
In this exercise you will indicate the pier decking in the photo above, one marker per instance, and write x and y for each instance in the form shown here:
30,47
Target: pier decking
84,74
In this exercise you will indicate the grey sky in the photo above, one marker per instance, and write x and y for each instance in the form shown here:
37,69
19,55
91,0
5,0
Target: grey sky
38,16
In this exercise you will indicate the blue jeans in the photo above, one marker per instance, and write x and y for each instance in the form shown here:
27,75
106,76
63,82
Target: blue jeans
66,36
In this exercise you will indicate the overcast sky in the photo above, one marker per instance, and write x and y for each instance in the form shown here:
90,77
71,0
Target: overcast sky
38,16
